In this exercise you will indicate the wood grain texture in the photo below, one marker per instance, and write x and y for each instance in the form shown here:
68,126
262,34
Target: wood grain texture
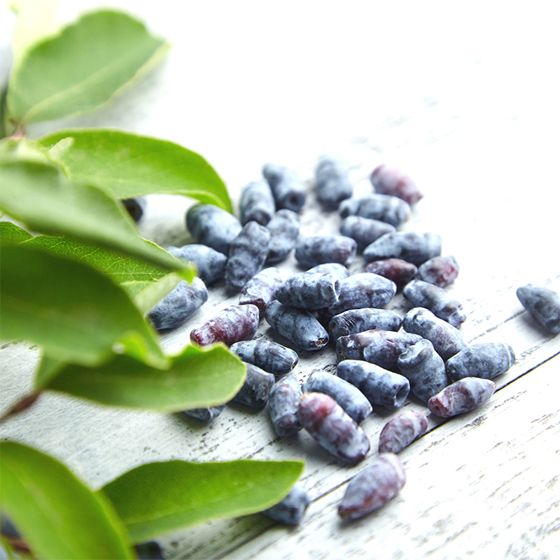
454,114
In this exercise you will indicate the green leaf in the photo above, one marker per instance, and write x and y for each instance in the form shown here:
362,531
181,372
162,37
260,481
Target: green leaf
161,497
57,514
76,313
35,19
145,283
197,377
3,123
38,195
80,68
129,165
11,233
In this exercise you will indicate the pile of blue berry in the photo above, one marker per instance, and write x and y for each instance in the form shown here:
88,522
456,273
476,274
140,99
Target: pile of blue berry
382,357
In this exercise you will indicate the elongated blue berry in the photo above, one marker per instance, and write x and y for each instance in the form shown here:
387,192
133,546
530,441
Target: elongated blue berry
486,360
283,404
284,233
178,305
247,254
331,183
381,207
204,414
256,389
391,181
441,271
270,356
212,226
446,339
363,230
261,289
380,386
256,203
337,270
437,300
355,321
332,428
410,246
386,346
402,430
349,397
232,324
319,249
543,304
399,271
288,191
291,509
462,396
298,326
373,487
424,368
309,291
363,290
210,264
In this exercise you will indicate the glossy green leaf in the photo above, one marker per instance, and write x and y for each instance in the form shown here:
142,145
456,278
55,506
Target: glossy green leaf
198,377
57,514
129,165
42,198
9,232
80,68
161,497
145,283
3,116
70,309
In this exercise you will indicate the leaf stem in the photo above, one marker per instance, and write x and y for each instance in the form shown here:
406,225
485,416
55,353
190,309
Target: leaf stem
23,404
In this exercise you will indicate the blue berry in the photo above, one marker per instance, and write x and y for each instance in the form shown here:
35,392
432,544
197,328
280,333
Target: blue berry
441,271
410,246
373,487
364,231
287,189
436,299
424,368
256,203
178,305
319,249
247,255
388,180
486,360
345,394
397,270
309,291
210,264
232,324
256,388
363,290
291,509
284,233
270,356
380,207
355,321
445,338
386,346
298,326
332,428
212,226
462,396
338,271
261,289
331,183
283,403
402,430
204,414
380,386
543,304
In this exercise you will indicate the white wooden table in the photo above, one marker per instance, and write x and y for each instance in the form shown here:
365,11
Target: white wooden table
465,99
